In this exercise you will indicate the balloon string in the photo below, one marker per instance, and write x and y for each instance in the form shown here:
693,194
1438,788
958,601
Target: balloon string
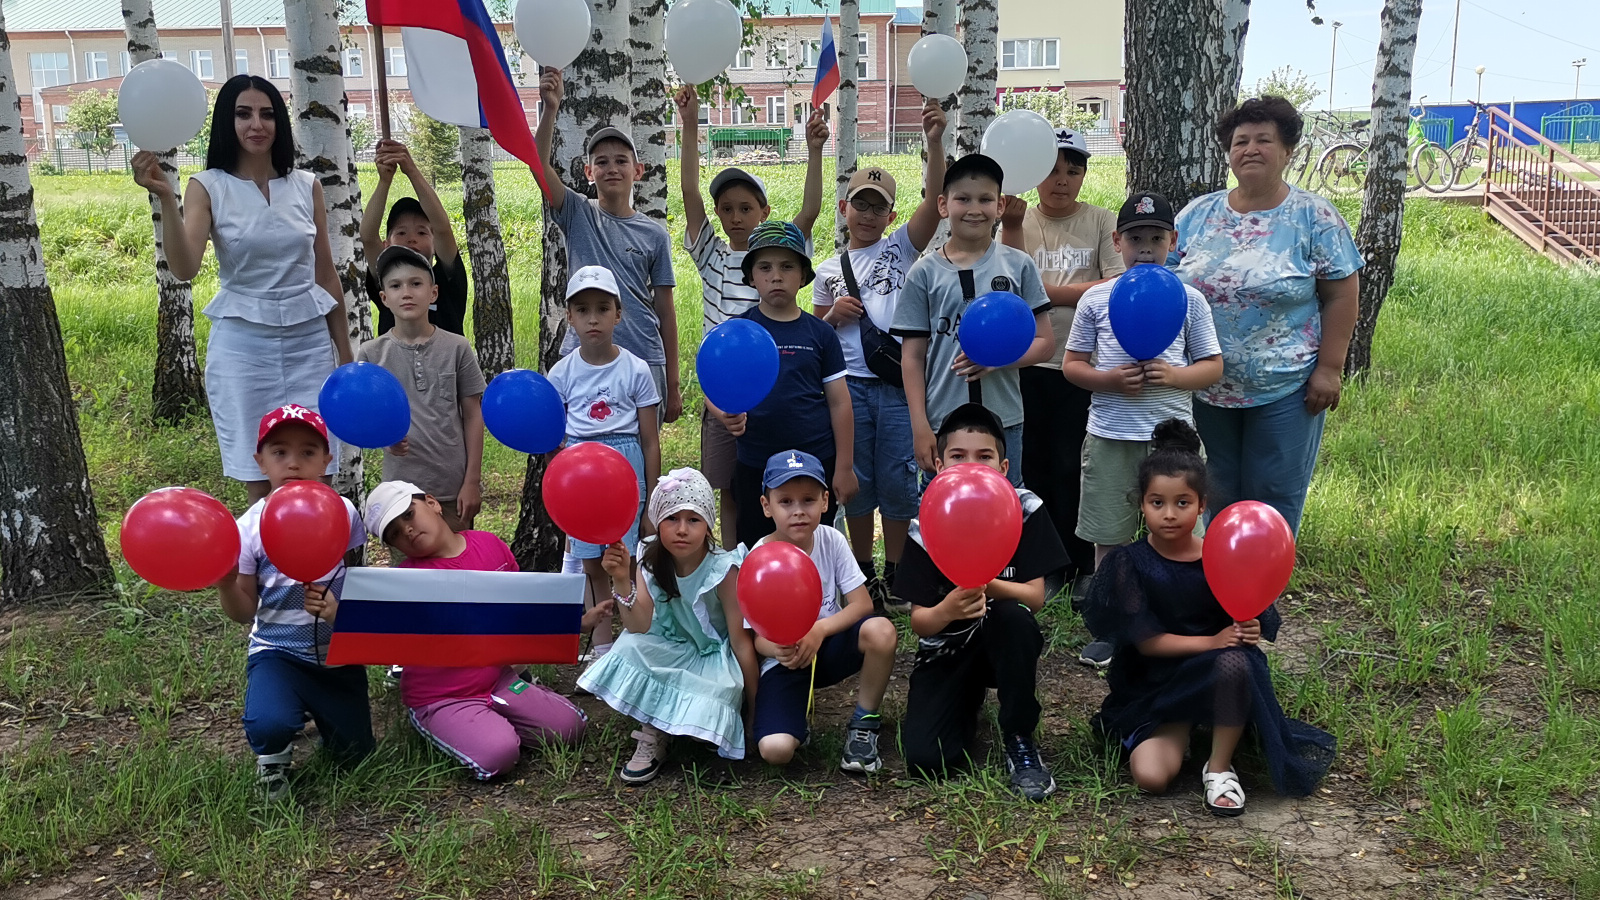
811,692
316,644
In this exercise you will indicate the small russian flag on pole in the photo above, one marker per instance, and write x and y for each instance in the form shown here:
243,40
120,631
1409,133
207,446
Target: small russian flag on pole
827,68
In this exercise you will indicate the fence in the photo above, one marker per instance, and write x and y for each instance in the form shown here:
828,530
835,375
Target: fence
1571,130
1440,131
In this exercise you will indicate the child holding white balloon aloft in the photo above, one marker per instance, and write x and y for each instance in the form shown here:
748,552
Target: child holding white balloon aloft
678,668
610,397
1181,661
740,202
847,638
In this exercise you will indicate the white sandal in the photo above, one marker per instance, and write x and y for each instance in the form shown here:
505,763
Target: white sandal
1220,785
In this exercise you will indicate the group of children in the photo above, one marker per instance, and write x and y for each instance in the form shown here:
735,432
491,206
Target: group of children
874,396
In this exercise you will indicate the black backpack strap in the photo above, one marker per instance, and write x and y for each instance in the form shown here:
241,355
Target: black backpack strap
969,292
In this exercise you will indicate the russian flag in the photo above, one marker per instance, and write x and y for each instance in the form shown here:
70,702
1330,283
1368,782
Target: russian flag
827,68
457,70
450,617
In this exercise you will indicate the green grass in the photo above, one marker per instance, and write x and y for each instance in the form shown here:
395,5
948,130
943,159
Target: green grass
1443,623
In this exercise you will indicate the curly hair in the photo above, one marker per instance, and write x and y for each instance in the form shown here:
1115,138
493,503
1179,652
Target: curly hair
1259,110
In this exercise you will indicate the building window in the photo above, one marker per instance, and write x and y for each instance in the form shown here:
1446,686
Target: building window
96,66
200,64
1092,105
813,53
743,115
777,110
704,117
746,59
778,55
861,55
352,63
58,113
241,62
49,69
127,62
358,110
278,63
1034,53
394,61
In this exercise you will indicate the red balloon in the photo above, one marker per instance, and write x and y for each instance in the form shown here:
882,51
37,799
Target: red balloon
780,592
971,522
1248,557
180,539
305,530
592,493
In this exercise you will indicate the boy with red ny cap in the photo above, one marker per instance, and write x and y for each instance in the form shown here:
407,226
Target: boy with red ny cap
291,623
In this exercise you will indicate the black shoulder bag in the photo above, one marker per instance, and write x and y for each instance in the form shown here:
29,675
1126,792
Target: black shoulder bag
882,352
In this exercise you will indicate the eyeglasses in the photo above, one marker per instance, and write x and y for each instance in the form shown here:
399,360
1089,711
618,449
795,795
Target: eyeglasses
862,204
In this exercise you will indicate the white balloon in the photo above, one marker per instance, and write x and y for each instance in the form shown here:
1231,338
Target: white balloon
162,105
938,65
1024,144
703,38
552,32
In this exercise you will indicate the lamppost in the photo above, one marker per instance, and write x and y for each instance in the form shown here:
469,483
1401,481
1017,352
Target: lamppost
1332,63
1577,73
1480,71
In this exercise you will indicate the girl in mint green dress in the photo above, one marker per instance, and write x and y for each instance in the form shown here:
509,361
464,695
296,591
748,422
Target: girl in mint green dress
678,668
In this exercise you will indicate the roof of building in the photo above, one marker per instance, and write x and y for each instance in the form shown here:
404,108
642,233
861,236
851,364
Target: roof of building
908,15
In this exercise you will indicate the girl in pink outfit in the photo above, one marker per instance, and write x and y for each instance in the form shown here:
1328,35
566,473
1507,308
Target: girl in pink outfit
481,715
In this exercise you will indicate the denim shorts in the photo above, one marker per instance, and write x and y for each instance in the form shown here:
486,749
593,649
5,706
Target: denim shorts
628,446
885,465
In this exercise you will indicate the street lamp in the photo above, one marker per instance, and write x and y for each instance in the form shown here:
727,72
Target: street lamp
1577,73
1480,71
1332,63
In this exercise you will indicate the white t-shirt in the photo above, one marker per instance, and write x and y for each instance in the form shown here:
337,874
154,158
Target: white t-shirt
724,295
837,565
880,271
1132,417
281,621
603,399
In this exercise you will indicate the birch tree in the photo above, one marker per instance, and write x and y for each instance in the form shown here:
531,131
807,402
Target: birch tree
1378,235
1183,74
652,103
491,277
596,88
322,137
50,541
980,26
179,388
845,144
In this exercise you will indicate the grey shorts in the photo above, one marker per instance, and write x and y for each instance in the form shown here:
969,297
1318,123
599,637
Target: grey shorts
1108,503
718,451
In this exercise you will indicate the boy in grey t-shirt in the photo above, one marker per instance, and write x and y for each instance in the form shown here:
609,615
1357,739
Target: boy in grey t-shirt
938,376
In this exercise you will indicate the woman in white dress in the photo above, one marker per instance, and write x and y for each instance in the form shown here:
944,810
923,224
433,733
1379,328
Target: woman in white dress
278,325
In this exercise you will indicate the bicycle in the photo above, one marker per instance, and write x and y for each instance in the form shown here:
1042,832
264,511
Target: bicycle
1472,151
1431,164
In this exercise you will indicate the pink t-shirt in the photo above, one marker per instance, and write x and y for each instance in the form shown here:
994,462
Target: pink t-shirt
425,685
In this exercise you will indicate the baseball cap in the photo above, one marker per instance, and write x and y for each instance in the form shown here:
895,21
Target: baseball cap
592,278
397,256
608,133
974,164
784,235
1070,139
974,417
1146,208
871,178
386,503
405,206
286,414
733,175
791,464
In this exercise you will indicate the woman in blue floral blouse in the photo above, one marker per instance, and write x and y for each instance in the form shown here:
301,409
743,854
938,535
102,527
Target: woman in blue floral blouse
1278,266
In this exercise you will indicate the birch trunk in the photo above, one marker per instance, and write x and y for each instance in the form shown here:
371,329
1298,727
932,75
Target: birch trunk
1382,207
980,27
179,388
596,88
848,46
491,278
50,541
322,136
1183,74
652,104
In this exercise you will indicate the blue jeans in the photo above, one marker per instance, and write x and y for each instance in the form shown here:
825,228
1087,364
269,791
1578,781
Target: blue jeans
280,689
885,465
630,448
1264,453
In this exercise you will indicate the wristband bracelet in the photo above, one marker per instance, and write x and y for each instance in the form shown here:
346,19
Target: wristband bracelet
628,601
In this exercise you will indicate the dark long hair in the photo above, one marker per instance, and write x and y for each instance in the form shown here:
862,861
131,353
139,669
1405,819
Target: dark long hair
659,563
223,151
1175,453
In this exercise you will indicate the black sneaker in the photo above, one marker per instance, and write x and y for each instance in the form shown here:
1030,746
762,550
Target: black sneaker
1096,654
879,592
1029,777
861,747
391,678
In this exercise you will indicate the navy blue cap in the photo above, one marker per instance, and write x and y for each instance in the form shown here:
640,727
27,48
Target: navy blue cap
790,464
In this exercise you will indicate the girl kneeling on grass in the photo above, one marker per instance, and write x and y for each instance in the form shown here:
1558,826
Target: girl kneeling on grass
1180,659
678,668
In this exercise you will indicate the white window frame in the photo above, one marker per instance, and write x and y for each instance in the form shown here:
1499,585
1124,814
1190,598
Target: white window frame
203,65
743,115
863,67
241,62
778,54
778,111
127,62
96,65
1030,53
1091,105
813,52
394,62
49,69
358,110
279,62
58,113
352,63
746,58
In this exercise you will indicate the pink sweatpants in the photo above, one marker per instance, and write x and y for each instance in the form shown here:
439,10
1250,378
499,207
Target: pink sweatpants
487,735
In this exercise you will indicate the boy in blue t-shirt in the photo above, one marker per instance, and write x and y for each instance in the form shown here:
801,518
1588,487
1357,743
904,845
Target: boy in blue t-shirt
809,407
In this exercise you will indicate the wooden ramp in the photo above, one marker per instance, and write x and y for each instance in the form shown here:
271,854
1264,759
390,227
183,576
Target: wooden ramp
1542,193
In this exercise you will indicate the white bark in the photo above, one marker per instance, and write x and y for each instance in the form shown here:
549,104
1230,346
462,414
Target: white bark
652,105
1378,235
179,387
849,50
980,26
322,134
491,279
50,541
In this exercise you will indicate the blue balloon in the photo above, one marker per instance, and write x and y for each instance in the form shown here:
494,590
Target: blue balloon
997,329
365,405
523,410
737,365
1147,310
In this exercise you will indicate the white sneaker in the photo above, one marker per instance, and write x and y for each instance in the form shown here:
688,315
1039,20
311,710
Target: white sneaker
272,774
648,756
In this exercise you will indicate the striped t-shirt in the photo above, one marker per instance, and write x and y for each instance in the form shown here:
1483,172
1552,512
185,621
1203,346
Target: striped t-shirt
725,295
282,622
1132,417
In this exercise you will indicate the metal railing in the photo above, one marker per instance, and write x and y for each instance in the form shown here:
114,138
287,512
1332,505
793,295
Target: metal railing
1571,130
1545,195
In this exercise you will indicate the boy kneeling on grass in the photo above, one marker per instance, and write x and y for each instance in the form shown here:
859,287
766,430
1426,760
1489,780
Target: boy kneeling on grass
974,639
